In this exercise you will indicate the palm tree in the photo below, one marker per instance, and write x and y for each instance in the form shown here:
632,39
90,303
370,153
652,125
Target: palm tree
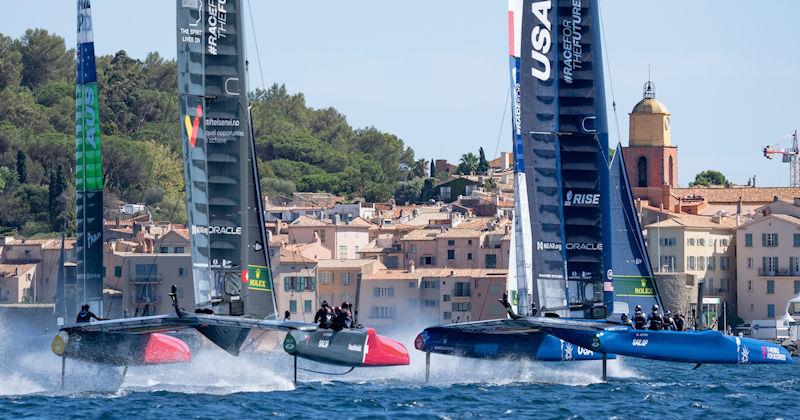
469,164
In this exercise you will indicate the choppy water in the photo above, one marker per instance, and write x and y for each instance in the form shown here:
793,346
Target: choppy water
217,385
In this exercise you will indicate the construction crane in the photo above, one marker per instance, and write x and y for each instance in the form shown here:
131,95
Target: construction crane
790,156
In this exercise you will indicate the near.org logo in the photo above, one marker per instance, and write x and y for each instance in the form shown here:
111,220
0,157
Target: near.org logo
579,199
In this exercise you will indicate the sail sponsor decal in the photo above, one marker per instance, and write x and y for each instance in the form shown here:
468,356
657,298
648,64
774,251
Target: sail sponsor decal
572,198
216,230
542,246
583,246
634,286
772,353
541,41
220,130
571,47
259,278
192,125
216,25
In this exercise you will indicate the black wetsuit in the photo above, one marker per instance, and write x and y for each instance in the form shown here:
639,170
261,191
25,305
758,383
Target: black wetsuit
639,320
341,320
324,317
86,316
680,323
669,323
655,320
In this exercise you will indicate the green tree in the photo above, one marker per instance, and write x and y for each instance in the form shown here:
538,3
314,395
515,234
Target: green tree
420,168
44,58
468,164
483,164
408,191
10,62
22,167
710,177
7,178
432,172
428,190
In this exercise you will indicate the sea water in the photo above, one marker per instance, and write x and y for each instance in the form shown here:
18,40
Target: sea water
218,385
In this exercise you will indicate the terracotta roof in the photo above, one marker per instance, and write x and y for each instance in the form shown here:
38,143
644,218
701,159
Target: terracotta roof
10,270
732,194
785,217
292,254
357,263
395,274
695,221
460,233
309,222
421,235
182,232
360,222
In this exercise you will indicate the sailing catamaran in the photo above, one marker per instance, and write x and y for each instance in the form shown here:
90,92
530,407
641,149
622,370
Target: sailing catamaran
233,285
580,256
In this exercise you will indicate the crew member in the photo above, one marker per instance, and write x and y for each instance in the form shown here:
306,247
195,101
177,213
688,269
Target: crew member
342,319
680,322
85,315
655,319
669,321
639,320
625,320
324,315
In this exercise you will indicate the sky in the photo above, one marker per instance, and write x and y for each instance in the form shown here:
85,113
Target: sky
435,72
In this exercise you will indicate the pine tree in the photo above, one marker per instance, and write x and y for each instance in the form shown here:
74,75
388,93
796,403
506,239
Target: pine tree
483,165
22,167
433,169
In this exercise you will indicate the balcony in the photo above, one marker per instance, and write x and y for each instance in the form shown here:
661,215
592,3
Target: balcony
778,272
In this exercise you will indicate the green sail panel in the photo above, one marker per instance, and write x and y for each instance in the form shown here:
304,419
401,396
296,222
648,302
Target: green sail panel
88,173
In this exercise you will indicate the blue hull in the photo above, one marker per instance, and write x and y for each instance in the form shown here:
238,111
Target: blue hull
530,345
677,346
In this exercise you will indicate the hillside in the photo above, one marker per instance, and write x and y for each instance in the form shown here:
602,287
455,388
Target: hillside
299,148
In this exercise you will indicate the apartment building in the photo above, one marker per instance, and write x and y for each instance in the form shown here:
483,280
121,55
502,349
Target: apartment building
44,255
421,297
703,246
768,264
338,279
294,271
16,283
478,243
344,240
145,278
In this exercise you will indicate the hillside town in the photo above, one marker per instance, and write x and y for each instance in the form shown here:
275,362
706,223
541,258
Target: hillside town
446,260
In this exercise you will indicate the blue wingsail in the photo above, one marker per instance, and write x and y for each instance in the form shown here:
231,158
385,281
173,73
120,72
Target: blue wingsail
633,280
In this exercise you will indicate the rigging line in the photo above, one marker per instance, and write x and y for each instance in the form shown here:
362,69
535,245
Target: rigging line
141,200
502,122
610,78
255,42
156,254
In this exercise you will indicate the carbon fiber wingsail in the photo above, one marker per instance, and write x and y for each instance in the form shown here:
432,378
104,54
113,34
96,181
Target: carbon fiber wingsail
88,175
229,260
